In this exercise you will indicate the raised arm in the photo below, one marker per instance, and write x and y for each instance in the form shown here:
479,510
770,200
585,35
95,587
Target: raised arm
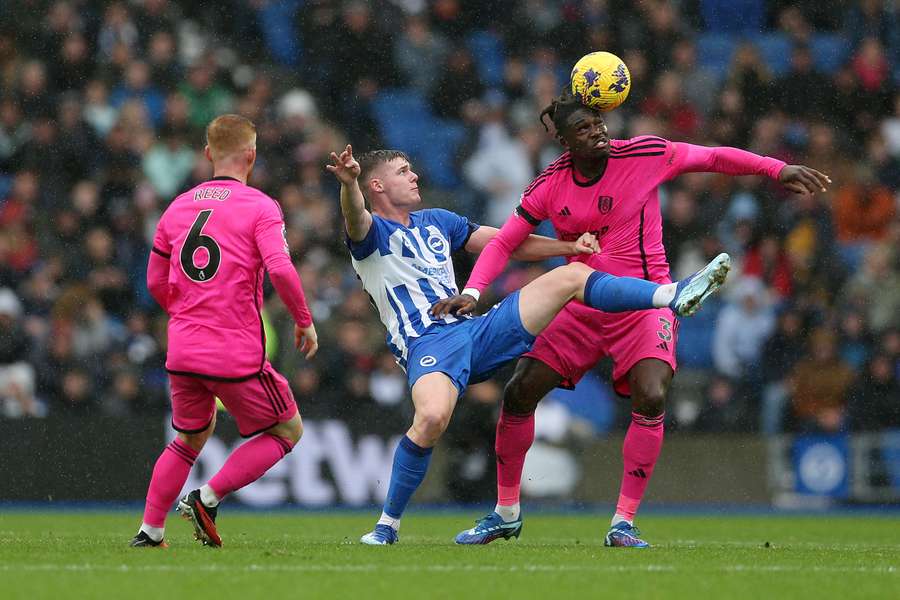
357,219
272,246
690,158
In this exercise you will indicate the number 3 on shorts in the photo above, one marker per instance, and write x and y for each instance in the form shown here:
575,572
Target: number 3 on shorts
665,329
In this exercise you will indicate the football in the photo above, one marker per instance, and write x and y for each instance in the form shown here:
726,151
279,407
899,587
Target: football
601,80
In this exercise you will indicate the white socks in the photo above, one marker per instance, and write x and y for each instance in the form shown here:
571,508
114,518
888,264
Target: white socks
508,513
154,533
617,518
664,295
208,496
386,519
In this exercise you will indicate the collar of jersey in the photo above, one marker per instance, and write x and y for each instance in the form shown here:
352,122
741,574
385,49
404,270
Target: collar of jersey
591,181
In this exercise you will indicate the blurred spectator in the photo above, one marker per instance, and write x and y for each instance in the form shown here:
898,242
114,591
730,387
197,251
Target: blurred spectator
819,384
875,289
863,211
416,53
168,163
782,351
458,84
17,377
875,399
500,167
742,329
803,91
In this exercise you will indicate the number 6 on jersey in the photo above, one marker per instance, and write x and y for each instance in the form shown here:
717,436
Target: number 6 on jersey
195,240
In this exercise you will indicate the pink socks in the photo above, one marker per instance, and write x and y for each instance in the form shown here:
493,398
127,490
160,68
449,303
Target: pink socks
515,433
643,443
248,463
169,474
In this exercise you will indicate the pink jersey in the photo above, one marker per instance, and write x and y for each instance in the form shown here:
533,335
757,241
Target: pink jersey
210,253
620,206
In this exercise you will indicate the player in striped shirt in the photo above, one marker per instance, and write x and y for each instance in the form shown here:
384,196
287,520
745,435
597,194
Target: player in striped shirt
403,258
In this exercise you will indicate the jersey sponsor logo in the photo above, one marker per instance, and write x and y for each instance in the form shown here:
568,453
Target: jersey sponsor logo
428,361
604,204
565,212
211,193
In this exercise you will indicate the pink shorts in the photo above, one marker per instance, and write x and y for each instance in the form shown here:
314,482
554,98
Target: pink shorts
579,337
256,404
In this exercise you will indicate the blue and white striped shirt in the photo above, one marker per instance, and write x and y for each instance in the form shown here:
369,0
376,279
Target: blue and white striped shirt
406,270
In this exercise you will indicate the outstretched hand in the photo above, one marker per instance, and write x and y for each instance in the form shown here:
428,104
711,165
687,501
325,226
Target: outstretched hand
803,180
459,305
344,167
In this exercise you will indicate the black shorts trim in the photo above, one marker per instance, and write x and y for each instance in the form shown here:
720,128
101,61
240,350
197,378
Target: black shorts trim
273,385
259,431
213,377
204,428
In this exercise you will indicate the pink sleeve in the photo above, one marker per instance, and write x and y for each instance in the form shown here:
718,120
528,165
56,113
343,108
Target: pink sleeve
689,158
495,256
158,278
273,248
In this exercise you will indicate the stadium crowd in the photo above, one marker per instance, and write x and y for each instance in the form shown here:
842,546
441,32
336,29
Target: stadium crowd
102,111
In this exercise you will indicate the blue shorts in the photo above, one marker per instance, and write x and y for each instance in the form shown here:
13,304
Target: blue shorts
469,351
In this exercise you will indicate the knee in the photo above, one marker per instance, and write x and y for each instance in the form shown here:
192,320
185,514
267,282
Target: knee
432,422
517,398
575,275
195,440
291,430
649,398
294,431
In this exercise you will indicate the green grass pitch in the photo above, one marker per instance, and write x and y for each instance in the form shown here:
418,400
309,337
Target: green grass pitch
316,555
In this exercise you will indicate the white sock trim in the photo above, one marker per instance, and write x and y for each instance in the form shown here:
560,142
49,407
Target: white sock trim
664,295
386,519
208,496
508,513
617,518
154,533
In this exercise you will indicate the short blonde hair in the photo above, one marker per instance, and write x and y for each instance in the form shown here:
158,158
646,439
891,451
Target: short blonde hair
228,134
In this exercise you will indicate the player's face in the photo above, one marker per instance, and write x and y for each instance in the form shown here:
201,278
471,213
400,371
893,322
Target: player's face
399,182
584,134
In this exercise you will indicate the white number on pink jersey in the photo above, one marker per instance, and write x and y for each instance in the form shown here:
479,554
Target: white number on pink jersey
195,240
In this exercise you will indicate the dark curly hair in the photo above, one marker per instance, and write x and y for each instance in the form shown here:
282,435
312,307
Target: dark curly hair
560,108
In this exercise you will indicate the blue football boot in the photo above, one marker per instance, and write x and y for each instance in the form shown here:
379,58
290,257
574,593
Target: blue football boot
382,535
490,528
624,535
693,290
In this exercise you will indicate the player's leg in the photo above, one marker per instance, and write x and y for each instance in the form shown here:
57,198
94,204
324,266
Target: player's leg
194,417
649,381
434,396
265,411
543,298
531,381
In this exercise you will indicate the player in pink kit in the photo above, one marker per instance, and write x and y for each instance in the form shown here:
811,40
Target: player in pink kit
610,188
212,248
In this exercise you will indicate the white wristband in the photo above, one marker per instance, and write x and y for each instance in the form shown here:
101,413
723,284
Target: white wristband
472,292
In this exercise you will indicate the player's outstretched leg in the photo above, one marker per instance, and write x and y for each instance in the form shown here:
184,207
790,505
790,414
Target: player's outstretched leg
169,474
245,465
434,397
